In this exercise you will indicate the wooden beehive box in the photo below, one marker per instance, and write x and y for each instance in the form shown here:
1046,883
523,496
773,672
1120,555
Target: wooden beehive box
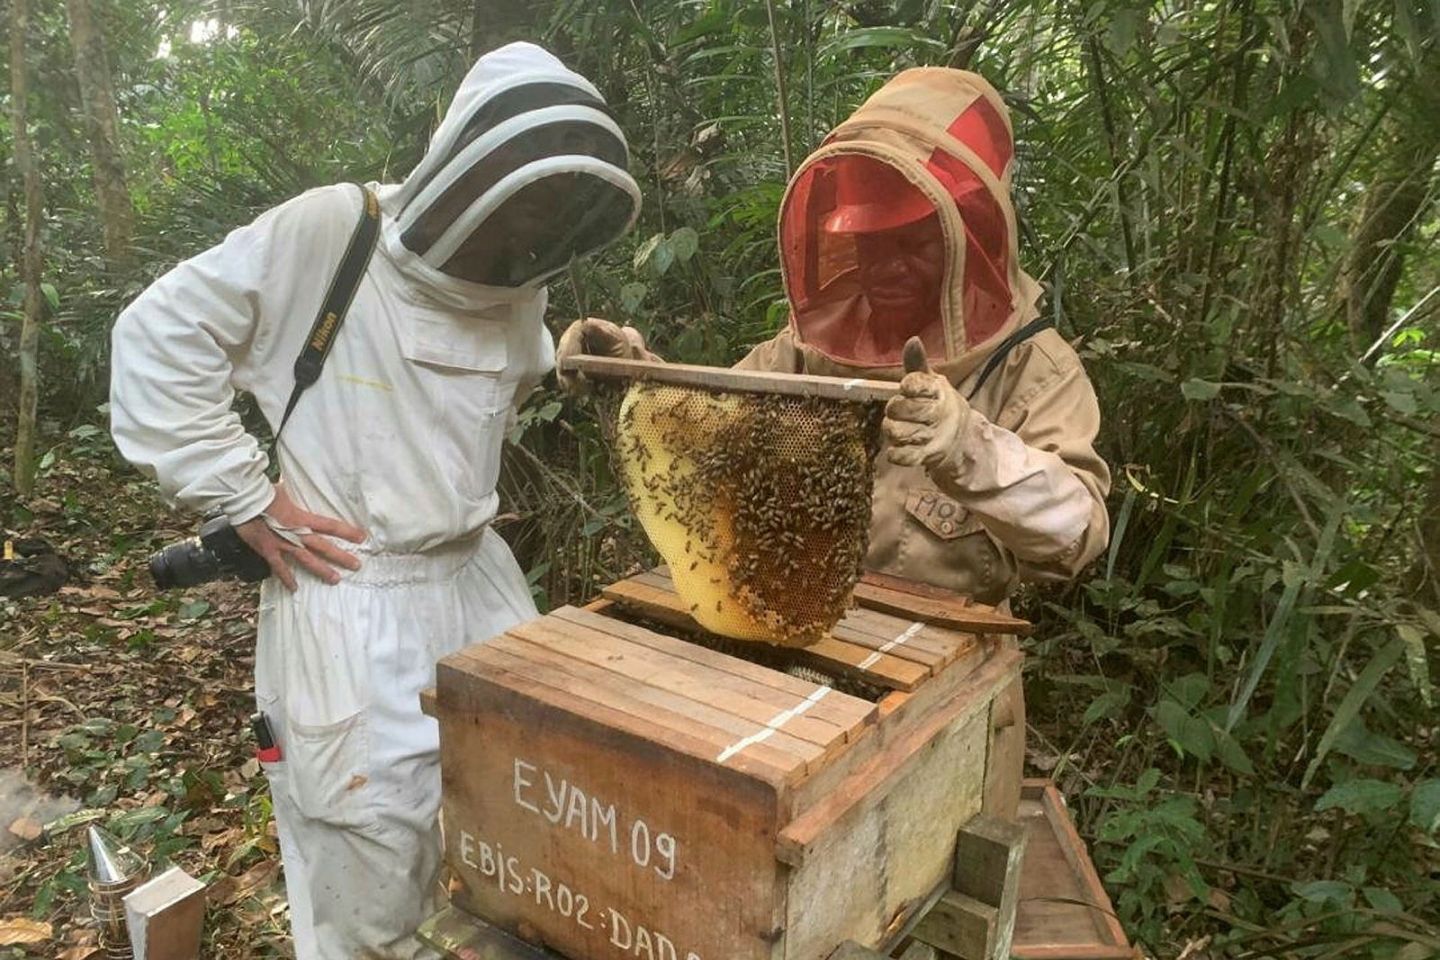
613,789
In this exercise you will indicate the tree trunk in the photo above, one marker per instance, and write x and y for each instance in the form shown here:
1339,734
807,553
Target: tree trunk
1426,567
496,22
1395,201
102,122
30,254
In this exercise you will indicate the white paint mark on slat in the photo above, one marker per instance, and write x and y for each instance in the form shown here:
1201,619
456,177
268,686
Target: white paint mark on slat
851,383
889,645
773,725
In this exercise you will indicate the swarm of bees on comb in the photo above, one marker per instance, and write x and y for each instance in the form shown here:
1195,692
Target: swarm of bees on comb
759,503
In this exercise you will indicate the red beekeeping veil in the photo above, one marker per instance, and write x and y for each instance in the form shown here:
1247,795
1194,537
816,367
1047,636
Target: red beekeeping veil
901,225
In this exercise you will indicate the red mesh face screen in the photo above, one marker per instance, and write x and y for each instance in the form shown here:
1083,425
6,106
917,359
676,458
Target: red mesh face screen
865,261
865,254
981,128
987,248
987,235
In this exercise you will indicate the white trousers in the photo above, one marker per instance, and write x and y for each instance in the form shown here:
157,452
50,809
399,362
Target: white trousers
338,672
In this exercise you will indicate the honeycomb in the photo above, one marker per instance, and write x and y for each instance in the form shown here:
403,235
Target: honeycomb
759,503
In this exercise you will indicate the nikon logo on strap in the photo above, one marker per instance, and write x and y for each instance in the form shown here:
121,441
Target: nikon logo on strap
324,330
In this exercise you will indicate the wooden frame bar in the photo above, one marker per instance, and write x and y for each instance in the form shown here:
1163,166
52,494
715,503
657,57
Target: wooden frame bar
856,390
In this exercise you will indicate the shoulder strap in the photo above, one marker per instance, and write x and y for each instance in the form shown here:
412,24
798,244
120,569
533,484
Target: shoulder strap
992,363
333,308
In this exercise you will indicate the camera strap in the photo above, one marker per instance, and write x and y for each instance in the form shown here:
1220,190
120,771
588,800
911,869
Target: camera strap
1003,350
334,307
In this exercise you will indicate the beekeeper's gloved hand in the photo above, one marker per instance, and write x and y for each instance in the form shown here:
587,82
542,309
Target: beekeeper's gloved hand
925,422
599,338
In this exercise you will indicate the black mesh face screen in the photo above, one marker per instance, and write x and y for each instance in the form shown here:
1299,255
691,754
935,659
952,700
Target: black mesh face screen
539,229
511,103
561,138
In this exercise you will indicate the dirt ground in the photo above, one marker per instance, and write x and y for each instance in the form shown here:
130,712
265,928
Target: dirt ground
129,708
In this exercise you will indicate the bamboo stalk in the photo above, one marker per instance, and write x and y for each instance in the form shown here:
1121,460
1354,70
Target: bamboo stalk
780,96
30,258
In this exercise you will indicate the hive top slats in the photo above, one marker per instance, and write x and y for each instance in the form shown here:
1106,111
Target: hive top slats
883,649
879,667
574,689
729,702
760,722
655,705
878,592
653,596
847,712
944,641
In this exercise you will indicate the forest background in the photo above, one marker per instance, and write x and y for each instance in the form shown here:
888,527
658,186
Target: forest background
1231,203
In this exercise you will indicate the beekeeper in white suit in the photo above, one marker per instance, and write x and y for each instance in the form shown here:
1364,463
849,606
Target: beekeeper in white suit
378,536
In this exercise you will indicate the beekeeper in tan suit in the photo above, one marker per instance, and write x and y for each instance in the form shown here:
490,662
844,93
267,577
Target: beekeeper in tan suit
900,226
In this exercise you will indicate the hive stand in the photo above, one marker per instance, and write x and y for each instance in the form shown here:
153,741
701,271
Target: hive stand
614,788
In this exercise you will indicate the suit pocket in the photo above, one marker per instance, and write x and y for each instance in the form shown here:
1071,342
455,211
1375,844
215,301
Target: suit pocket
947,545
466,374
312,671
329,772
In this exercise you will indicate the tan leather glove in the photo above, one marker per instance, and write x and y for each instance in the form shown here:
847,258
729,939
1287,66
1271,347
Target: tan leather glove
1030,500
925,422
599,338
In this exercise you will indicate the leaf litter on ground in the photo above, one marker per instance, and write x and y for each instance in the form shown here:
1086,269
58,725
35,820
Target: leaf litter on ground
127,707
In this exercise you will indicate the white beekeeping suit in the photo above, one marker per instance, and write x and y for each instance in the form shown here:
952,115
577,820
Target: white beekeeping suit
401,436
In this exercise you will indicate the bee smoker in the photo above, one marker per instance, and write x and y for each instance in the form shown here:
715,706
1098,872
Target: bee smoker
114,870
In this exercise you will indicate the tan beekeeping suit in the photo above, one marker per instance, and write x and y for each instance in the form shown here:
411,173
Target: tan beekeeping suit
1022,495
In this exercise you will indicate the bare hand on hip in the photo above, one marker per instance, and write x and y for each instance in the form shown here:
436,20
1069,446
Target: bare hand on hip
599,338
286,533
923,424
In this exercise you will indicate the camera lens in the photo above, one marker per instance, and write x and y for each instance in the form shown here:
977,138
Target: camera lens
183,564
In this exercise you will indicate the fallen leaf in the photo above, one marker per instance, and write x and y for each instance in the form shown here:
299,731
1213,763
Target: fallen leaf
1177,891
81,951
26,829
223,838
222,891
17,930
228,890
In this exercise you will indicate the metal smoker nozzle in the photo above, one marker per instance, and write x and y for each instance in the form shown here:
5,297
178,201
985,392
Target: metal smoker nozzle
114,870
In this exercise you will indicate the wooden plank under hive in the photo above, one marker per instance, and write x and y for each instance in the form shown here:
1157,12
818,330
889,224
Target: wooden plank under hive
617,785
1064,912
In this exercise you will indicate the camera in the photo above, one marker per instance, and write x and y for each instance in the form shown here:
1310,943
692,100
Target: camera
216,551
